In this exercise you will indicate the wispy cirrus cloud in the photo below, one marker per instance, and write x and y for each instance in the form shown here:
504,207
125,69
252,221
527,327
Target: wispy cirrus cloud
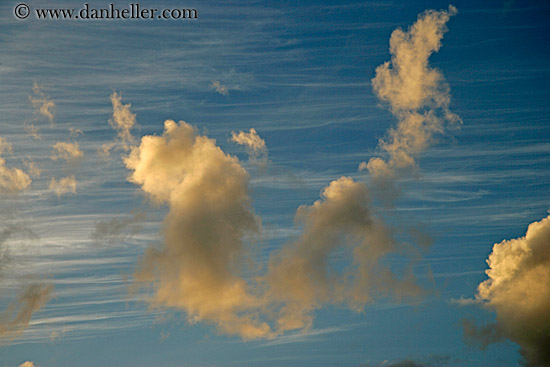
15,230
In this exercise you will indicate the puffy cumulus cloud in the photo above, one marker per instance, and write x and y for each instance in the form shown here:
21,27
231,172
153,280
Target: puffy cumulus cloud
27,364
42,103
300,277
250,140
12,180
70,152
219,88
254,144
417,94
518,290
199,265
33,298
65,185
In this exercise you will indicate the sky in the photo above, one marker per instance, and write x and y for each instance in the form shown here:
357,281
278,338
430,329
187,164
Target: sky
276,183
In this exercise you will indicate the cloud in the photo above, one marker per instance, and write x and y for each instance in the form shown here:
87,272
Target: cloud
44,107
122,121
12,180
300,276
518,290
254,144
70,152
5,146
42,103
250,140
482,336
417,94
65,185
32,168
432,360
29,301
340,255
74,132
464,301
105,150
11,231
219,88
32,130
54,335
407,363
28,364
117,230
199,265
303,276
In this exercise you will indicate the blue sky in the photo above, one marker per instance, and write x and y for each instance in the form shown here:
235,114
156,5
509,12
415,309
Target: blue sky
300,74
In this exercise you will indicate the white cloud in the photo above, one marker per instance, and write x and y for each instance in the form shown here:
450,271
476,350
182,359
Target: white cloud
70,152
42,103
219,88
254,144
417,94
28,364
65,185
300,275
122,121
198,267
518,290
12,180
